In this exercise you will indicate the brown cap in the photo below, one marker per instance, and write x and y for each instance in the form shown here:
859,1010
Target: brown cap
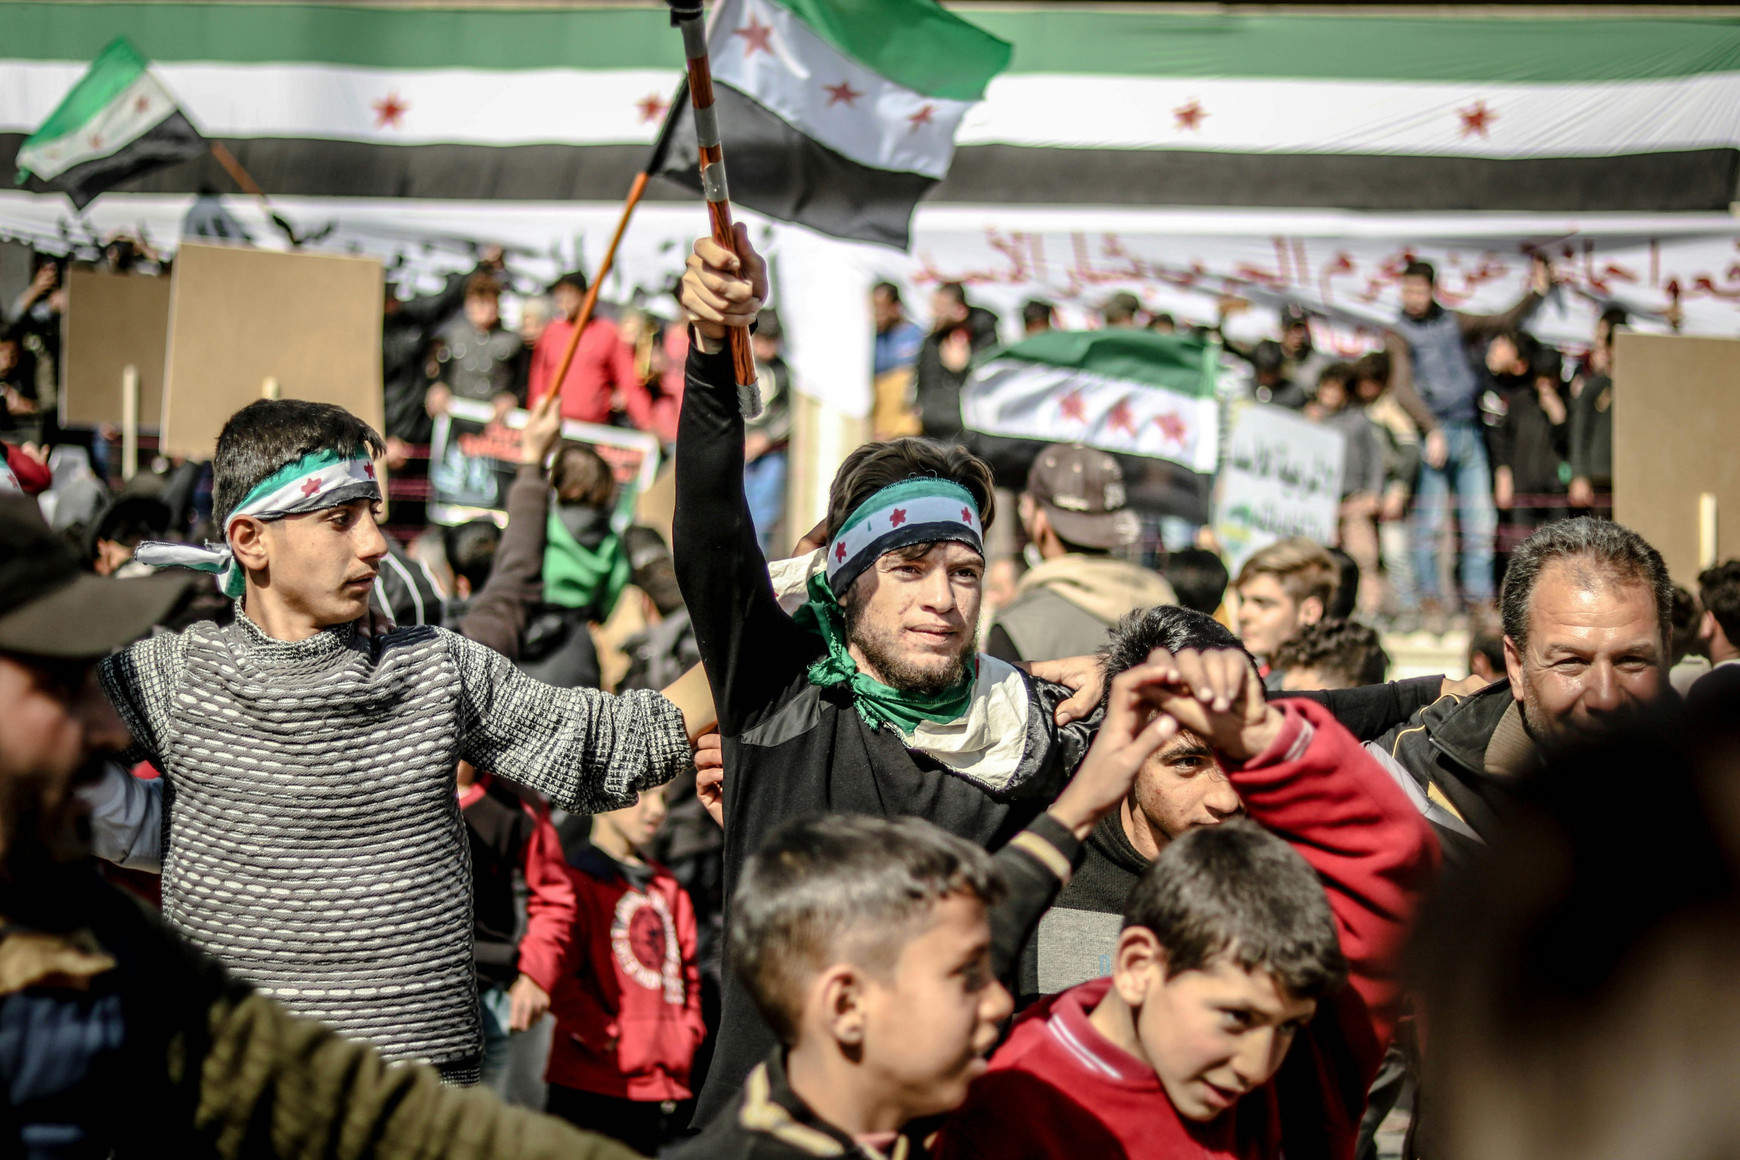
50,608
1082,490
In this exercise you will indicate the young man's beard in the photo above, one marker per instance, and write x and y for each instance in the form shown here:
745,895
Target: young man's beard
895,668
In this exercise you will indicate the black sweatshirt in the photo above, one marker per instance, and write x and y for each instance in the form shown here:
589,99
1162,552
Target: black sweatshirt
791,749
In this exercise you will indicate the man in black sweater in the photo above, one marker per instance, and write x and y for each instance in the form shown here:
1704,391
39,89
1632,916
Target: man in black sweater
870,699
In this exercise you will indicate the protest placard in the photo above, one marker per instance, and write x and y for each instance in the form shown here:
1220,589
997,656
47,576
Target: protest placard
473,458
1281,477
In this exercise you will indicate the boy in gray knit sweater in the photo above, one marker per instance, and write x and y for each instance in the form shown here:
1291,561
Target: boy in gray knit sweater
313,841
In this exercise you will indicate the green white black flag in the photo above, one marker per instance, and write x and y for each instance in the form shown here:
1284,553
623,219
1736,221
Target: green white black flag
117,122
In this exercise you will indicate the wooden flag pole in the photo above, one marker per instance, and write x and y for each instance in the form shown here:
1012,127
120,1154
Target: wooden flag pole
590,302
687,18
220,152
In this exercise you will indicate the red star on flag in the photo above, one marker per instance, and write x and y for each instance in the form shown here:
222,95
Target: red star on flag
1172,427
1189,116
897,518
388,111
924,116
841,92
652,107
96,140
1476,118
967,516
141,104
840,551
755,36
310,485
370,469
1073,407
1120,416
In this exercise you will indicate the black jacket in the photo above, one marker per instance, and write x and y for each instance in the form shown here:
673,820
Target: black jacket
939,389
1531,445
792,749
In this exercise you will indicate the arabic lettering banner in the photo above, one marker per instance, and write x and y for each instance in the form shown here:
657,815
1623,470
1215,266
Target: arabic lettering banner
1281,477
473,459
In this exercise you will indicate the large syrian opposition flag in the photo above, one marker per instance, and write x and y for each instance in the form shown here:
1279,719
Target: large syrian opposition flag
117,122
1133,392
837,114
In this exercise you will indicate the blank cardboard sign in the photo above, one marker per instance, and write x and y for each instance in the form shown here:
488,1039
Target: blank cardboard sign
238,317
113,321
1676,406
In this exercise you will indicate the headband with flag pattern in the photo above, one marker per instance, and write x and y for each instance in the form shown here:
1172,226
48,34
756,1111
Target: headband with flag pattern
921,510
321,480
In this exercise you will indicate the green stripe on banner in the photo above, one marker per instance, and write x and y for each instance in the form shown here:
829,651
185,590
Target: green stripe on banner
1492,48
916,43
116,67
1175,362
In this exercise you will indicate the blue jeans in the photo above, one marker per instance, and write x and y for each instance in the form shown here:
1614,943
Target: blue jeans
1466,475
764,488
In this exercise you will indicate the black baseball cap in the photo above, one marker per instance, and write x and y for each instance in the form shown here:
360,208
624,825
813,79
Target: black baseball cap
50,607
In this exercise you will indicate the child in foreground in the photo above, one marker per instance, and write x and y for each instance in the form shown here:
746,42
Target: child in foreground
1225,1028
873,948
628,1004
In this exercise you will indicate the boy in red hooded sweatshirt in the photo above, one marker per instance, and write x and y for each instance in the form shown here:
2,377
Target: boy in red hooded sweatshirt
628,1005
1225,1028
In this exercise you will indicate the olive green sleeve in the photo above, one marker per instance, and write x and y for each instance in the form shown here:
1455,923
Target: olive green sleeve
271,1084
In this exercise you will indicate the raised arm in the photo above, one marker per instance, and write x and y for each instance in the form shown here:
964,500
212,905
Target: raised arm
749,647
586,751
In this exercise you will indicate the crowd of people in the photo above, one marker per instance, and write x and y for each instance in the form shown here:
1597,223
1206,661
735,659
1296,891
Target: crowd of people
891,845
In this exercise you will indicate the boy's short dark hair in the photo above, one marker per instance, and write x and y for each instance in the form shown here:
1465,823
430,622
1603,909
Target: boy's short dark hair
470,549
889,289
1198,578
269,433
1238,891
1340,372
574,278
1419,269
1164,626
482,285
1490,645
1687,618
842,888
1372,367
1345,653
874,466
580,475
1719,593
1036,311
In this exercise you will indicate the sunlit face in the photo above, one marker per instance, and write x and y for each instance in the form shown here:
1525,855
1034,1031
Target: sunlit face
1180,787
911,619
322,564
1594,648
1211,1035
1269,618
928,1024
946,309
55,730
1502,357
483,311
884,309
639,823
8,356
1331,394
1416,296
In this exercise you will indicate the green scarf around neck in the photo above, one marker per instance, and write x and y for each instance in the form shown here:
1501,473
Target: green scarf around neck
877,703
576,576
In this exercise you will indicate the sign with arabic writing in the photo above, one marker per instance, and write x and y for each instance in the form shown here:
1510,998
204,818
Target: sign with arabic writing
473,458
1281,477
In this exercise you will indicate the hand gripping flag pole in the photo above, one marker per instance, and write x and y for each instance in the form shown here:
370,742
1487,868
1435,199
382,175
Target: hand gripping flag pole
686,16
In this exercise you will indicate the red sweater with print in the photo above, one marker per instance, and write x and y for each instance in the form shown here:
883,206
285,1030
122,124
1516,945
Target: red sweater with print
1060,1088
628,1004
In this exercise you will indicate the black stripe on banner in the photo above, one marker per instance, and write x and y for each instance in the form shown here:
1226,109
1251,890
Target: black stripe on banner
1679,182
171,140
777,170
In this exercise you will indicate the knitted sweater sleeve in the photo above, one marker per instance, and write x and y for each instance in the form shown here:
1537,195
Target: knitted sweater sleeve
140,682
586,751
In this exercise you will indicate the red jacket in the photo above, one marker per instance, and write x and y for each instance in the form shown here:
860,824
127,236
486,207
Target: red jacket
1059,1088
30,476
603,365
628,1005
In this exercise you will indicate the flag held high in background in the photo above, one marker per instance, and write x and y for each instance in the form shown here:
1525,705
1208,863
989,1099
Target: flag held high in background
117,122
837,114
1127,391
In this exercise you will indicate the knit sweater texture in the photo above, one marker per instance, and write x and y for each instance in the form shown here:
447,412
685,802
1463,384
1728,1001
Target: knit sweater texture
313,842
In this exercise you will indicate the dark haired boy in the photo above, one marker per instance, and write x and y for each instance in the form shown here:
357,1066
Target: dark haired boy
873,948
314,843
1222,1030
1332,654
